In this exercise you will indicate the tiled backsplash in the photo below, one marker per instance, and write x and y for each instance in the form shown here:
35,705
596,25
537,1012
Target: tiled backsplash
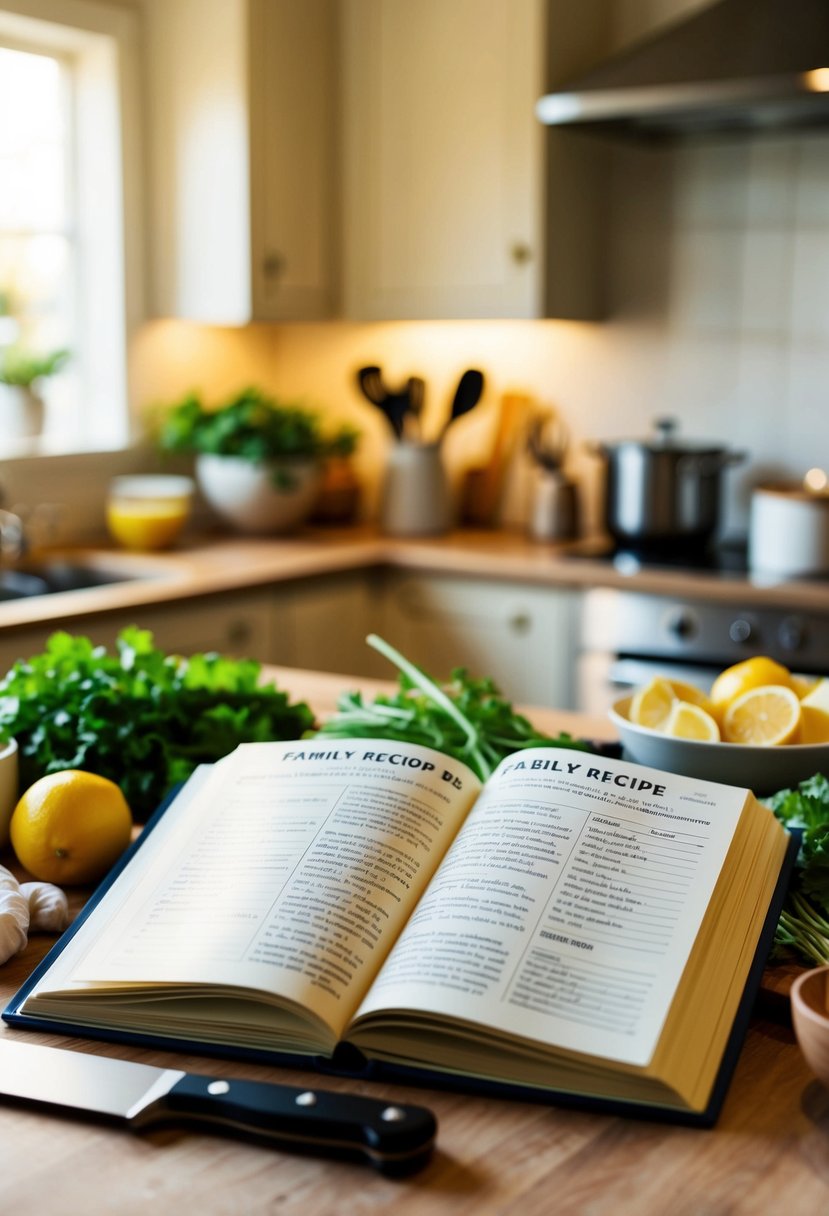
731,281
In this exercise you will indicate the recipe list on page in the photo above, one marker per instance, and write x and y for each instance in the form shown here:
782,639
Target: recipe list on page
567,907
292,870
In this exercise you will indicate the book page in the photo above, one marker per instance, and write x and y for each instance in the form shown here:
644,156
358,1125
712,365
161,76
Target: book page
291,869
567,907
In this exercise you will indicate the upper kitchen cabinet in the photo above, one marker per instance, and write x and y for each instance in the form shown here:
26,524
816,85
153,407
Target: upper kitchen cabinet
454,200
243,118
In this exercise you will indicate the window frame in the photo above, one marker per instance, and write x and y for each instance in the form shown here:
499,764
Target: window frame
101,43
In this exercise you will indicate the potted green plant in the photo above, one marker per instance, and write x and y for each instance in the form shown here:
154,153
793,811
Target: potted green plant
258,460
21,404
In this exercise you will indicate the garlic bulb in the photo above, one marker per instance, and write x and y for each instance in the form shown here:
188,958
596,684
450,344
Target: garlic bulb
14,916
48,907
7,880
32,905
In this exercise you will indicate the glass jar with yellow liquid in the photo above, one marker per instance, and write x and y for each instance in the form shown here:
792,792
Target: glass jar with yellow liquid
148,511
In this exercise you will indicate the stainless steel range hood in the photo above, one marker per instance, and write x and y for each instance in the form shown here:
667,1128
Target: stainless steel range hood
737,65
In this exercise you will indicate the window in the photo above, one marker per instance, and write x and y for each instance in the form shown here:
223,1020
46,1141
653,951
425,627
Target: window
68,258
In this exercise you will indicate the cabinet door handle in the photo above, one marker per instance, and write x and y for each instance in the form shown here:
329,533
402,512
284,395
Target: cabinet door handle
238,633
520,622
521,253
273,265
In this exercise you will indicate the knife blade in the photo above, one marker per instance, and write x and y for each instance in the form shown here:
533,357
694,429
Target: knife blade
396,1138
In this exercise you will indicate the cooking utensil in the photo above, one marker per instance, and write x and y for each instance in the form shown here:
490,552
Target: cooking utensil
393,1138
548,440
370,380
467,395
416,389
660,492
482,487
395,406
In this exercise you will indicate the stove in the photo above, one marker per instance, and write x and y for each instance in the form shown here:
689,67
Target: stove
727,558
628,636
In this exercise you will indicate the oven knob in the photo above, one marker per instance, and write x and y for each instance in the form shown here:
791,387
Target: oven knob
792,633
740,630
682,625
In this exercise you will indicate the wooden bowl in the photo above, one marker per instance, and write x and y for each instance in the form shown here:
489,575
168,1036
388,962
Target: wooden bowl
810,1015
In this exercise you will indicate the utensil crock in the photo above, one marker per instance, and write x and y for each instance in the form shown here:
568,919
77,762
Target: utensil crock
415,496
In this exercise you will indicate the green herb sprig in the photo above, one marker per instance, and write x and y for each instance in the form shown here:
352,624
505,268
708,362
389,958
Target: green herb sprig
804,922
140,717
466,718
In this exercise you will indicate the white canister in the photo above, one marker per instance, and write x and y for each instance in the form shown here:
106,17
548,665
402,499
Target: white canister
788,531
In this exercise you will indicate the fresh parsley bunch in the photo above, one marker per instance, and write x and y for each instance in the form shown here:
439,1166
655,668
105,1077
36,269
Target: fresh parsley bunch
466,718
804,922
140,717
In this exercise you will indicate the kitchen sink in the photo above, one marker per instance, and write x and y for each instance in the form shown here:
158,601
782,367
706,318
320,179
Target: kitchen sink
57,574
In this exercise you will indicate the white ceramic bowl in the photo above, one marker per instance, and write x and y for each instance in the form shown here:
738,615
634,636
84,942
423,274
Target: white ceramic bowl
250,497
761,769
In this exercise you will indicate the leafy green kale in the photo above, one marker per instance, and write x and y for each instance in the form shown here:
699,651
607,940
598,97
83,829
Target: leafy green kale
140,717
467,718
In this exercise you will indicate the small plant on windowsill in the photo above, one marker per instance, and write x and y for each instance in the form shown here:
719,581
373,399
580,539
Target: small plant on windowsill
21,404
258,460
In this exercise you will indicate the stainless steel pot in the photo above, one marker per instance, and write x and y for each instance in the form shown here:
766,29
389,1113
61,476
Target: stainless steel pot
661,493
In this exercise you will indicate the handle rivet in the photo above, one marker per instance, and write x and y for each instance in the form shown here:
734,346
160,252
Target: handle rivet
218,1087
306,1099
393,1114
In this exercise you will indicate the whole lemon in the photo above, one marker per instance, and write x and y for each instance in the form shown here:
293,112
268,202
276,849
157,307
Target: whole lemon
70,827
739,679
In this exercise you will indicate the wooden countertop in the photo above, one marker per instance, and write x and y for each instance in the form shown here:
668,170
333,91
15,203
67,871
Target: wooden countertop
768,1154
225,563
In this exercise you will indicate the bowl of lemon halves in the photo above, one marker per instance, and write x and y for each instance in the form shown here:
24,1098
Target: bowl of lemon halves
758,725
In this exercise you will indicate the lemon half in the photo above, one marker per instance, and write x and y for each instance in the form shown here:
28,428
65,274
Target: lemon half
768,716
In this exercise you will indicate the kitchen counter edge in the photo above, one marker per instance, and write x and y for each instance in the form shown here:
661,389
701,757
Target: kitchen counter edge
216,565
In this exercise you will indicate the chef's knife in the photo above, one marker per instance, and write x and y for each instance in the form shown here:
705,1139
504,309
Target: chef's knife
396,1138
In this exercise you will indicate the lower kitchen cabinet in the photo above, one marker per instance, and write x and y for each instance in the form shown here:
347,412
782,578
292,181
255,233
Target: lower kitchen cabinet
520,635
326,621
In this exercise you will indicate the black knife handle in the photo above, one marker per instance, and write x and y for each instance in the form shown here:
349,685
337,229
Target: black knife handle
394,1137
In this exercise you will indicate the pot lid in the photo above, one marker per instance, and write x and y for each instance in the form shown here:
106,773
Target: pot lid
664,439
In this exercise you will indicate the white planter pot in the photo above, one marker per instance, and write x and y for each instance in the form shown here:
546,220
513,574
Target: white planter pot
264,498
21,411
8,787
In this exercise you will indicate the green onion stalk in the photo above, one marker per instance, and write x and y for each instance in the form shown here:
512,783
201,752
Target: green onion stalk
467,719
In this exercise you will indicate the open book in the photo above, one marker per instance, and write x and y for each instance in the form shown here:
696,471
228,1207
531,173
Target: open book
580,924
